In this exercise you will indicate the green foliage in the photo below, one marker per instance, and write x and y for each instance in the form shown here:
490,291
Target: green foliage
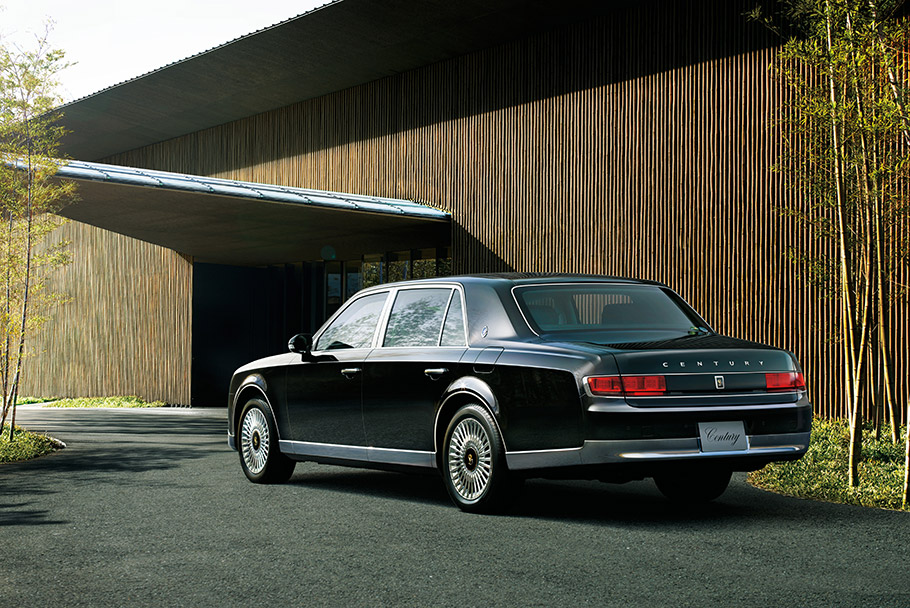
129,401
868,109
31,400
845,128
29,196
24,445
822,473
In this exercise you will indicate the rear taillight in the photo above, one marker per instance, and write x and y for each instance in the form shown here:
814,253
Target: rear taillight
605,385
783,382
633,386
644,385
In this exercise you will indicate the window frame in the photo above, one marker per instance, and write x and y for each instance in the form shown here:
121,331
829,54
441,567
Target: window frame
453,288
383,313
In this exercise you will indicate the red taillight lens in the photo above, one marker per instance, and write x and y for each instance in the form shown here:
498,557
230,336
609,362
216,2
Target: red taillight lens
785,381
644,385
628,385
605,385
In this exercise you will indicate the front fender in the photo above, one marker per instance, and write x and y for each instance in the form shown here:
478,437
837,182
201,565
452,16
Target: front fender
258,383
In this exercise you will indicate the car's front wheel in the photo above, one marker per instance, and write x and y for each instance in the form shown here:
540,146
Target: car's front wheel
474,462
693,487
260,458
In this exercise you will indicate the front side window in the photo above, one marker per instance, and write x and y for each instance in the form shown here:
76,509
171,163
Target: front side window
355,326
417,317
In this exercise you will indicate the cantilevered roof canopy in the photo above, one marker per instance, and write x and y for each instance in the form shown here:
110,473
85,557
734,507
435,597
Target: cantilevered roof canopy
244,223
337,46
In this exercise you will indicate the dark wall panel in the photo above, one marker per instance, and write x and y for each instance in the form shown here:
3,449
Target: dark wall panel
240,314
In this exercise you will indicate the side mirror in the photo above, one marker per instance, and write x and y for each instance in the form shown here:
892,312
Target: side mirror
301,344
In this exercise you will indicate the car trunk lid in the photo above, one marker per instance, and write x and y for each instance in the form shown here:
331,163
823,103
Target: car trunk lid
706,370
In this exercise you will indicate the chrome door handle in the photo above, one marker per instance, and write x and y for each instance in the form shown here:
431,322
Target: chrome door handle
435,372
350,372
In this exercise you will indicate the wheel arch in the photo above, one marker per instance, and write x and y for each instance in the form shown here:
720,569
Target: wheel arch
252,388
464,391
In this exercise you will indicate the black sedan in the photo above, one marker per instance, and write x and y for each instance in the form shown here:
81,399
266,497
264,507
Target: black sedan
492,379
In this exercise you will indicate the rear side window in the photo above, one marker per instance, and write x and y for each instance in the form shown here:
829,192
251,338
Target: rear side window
417,317
355,326
426,317
453,330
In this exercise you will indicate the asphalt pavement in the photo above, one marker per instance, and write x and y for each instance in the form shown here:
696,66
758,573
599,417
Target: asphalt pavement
150,508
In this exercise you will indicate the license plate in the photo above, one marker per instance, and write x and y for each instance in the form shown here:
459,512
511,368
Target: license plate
723,436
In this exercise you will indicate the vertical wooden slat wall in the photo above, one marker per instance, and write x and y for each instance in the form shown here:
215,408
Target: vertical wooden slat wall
127,329
640,144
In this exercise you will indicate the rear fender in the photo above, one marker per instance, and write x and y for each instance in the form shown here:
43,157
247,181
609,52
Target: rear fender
463,391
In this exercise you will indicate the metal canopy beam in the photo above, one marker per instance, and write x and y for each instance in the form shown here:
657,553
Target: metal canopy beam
246,224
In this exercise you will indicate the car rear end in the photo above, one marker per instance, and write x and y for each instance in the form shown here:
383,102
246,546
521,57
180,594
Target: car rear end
666,392
706,398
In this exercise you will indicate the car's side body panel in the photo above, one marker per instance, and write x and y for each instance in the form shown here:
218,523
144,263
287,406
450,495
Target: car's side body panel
404,388
324,399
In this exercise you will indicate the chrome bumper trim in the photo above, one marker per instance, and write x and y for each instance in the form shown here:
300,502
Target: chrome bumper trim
595,452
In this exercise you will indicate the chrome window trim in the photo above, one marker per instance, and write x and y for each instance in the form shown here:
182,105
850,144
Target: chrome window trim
445,316
464,319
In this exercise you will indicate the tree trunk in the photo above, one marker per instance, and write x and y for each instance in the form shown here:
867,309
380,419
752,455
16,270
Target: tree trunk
881,299
906,500
23,318
7,315
844,267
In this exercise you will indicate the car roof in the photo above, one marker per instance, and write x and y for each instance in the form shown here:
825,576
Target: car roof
521,278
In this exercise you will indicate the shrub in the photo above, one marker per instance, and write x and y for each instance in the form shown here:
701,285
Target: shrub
25,445
822,473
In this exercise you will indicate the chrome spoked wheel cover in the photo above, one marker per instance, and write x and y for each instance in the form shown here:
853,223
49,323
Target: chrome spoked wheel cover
470,459
254,440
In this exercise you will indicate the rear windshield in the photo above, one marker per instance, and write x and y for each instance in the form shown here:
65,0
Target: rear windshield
603,307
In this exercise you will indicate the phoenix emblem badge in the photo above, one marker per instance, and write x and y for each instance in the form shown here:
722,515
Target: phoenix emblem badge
719,382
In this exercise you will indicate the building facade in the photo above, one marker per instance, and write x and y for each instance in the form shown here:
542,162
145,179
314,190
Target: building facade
622,138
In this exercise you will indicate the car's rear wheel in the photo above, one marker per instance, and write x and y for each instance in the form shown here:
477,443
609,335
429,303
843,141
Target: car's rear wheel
474,462
260,458
693,487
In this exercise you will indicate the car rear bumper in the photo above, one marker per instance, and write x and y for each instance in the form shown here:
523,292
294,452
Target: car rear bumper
784,446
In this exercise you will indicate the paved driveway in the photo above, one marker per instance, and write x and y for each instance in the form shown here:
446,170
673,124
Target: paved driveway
150,508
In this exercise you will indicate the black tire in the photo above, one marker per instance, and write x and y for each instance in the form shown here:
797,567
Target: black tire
257,442
474,463
693,487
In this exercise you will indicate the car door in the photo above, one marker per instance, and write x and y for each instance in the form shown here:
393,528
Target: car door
417,358
324,389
